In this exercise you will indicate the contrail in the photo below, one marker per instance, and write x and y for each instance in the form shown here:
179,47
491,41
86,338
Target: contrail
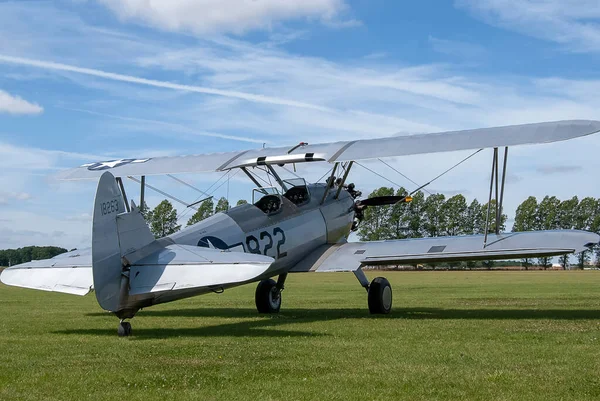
173,126
48,65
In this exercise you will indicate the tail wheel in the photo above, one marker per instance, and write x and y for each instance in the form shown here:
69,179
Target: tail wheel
124,329
267,297
380,296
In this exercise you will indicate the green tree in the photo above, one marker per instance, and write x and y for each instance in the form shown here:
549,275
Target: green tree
414,216
567,213
525,220
205,210
222,205
11,257
241,202
398,224
566,220
547,219
434,219
145,210
455,212
163,220
375,225
584,216
492,222
473,223
526,215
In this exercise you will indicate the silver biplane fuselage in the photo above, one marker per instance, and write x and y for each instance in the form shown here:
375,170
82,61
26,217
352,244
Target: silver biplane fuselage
284,227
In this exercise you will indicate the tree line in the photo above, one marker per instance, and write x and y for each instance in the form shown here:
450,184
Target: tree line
10,257
436,215
425,216
163,219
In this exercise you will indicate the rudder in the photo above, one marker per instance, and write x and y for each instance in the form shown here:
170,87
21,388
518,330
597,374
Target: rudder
115,234
106,253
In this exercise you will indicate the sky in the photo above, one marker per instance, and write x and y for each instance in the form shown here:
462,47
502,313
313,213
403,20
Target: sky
92,80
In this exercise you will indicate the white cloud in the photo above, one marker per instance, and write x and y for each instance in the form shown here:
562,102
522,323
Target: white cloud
574,24
226,16
28,159
15,105
457,48
6,197
172,128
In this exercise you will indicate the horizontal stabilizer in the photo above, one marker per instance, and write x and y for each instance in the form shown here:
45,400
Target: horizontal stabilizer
70,273
354,255
179,267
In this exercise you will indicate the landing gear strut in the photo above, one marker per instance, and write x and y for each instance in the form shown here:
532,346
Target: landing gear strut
379,293
124,329
268,295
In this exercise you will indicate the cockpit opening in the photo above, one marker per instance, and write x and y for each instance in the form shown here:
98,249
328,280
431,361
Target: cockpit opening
267,199
297,191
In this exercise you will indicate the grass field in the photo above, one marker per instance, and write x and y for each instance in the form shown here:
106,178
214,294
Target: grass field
452,335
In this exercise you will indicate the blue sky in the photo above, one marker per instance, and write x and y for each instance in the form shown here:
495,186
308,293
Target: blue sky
92,80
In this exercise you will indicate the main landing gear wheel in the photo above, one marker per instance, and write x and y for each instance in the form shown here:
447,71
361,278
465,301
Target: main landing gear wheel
380,296
267,297
124,329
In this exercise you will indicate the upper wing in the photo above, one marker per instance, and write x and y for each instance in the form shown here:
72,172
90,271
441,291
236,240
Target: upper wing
343,151
69,272
351,256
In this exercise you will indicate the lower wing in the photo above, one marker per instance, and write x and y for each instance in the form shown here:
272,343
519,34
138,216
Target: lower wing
351,256
173,267
69,272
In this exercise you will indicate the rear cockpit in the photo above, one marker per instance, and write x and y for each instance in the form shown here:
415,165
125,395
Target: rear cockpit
270,201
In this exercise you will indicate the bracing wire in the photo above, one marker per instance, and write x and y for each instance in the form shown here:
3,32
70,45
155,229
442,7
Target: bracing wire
290,171
403,175
376,173
430,181
258,176
185,212
159,191
323,176
456,165
179,180
228,179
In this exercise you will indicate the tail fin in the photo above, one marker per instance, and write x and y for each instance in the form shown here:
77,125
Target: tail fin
115,233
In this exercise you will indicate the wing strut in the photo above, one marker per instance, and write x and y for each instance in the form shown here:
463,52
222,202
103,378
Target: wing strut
499,195
142,192
122,188
330,182
347,168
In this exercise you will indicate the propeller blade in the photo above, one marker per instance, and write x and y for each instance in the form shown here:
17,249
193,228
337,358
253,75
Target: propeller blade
384,200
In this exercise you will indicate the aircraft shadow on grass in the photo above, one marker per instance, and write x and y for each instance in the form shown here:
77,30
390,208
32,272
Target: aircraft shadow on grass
255,325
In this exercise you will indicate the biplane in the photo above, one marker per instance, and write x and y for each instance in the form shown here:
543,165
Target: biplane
292,227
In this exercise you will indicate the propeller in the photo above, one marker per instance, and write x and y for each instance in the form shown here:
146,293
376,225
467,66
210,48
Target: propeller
361,204
383,200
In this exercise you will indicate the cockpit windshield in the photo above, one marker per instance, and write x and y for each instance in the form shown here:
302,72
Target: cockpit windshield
267,199
297,191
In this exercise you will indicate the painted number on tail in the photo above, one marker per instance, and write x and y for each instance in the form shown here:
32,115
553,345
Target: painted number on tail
109,207
266,242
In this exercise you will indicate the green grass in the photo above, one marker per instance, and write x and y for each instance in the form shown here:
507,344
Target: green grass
452,335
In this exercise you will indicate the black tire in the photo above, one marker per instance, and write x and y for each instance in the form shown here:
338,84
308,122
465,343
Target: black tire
124,329
380,296
267,297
